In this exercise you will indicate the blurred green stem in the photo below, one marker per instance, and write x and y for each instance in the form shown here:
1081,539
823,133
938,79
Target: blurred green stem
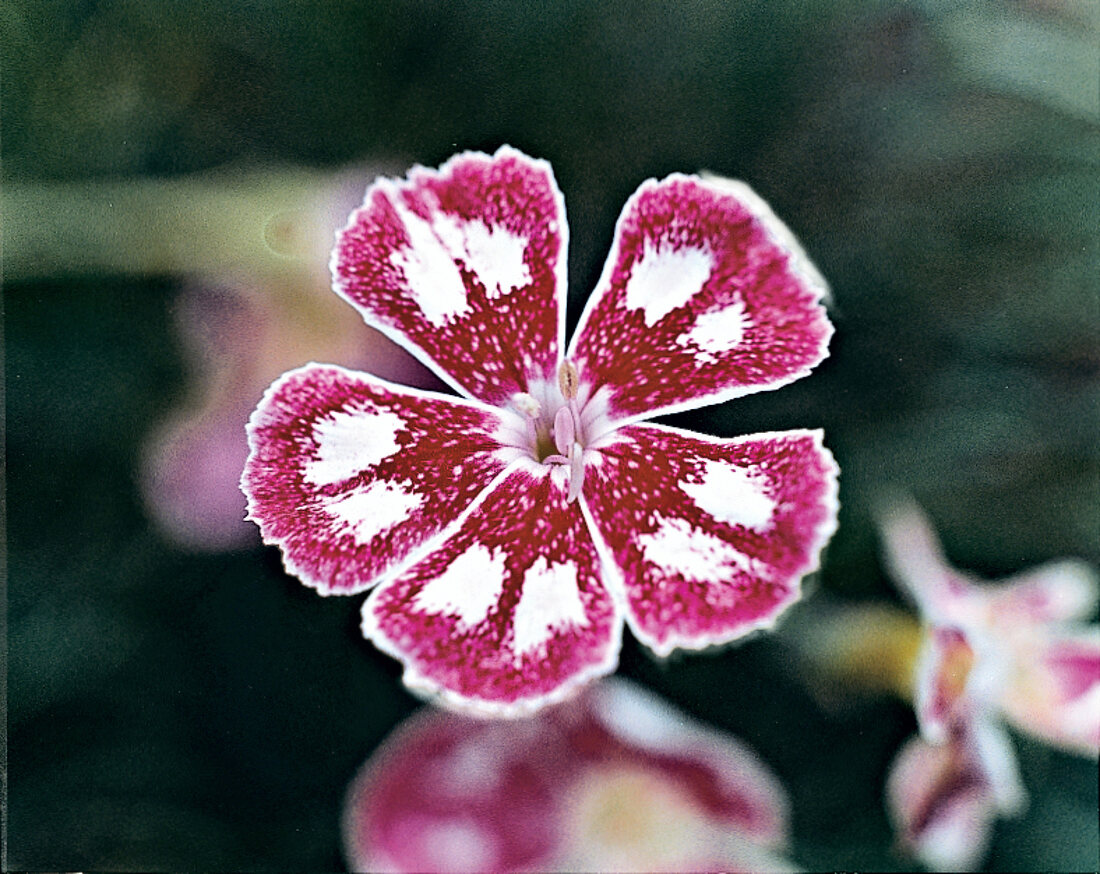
224,222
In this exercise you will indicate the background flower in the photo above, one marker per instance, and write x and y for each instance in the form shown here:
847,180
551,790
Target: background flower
944,798
982,654
1016,649
241,332
613,780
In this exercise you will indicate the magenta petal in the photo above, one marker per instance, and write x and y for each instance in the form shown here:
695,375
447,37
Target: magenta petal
349,474
706,296
509,613
465,266
446,793
711,537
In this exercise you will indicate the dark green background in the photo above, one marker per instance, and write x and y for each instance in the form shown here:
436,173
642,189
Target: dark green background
174,711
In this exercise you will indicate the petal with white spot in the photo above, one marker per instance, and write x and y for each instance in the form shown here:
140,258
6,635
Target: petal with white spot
370,510
710,537
549,600
349,474
349,443
465,266
522,617
468,589
734,495
706,296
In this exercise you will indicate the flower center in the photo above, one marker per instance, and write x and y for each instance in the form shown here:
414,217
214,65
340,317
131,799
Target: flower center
557,438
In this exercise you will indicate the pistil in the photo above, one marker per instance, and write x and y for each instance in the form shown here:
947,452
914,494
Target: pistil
562,440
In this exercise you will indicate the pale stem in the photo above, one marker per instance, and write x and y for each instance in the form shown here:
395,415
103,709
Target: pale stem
260,224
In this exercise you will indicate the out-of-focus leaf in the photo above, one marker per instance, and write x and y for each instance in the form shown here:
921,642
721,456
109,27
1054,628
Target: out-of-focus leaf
1032,52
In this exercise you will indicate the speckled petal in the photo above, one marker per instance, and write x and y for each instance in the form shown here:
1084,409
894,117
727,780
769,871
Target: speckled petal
349,474
1055,693
709,537
464,266
706,296
510,612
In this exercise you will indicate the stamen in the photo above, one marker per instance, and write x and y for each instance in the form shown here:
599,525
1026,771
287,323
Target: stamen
527,405
568,381
564,432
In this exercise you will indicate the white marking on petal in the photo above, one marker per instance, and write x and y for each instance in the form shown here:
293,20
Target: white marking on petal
495,254
457,845
679,547
550,601
429,267
470,770
370,510
438,248
350,442
469,588
663,280
716,333
731,495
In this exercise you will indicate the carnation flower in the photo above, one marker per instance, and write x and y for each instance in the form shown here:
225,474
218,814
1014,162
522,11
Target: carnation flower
509,532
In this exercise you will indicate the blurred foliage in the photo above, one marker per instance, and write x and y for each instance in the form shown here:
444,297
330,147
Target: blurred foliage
939,160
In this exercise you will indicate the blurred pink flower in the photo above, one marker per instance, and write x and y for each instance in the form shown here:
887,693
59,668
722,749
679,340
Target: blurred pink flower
1019,649
238,335
613,780
943,798
1018,652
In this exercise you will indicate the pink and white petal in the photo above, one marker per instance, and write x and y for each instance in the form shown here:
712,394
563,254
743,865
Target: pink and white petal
915,559
509,613
709,537
706,296
447,793
941,805
724,779
349,474
944,798
1055,694
1058,591
465,266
